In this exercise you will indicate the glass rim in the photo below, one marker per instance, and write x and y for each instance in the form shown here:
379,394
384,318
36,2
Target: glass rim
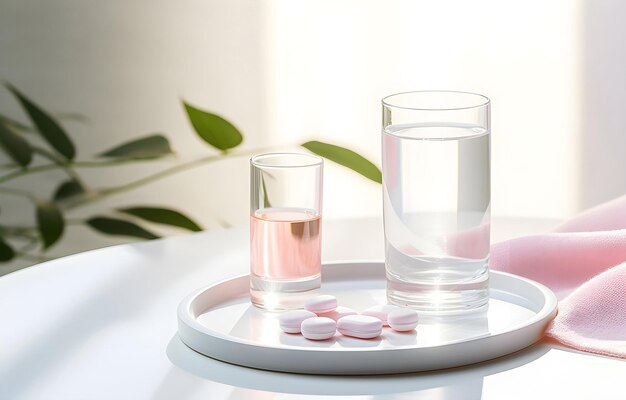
313,160
485,100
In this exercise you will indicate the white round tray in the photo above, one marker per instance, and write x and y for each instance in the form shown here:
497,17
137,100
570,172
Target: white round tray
219,321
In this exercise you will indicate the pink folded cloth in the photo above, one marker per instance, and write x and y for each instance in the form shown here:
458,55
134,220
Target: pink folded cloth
584,262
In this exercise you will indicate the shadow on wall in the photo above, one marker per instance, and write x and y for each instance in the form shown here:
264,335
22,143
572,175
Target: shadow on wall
603,102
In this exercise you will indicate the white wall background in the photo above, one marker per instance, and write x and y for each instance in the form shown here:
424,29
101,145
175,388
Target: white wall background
286,71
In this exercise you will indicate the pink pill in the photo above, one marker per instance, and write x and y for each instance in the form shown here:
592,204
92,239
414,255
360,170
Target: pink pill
360,326
339,313
291,321
318,328
402,320
321,304
380,312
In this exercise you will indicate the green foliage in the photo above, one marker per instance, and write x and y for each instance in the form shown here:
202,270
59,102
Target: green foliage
46,126
72,192
6,252
213,129
68,189
162,216
49,222
152,146
119,227
15,145
347,158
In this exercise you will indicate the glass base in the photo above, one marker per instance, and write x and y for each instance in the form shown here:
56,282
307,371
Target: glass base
440,298
283,295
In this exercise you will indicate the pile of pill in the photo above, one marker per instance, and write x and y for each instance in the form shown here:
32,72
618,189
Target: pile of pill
322,317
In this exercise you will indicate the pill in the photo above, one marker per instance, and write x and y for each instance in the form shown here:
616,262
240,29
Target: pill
318,328
402,320
338,313
321,304
360,326
380,312
291,321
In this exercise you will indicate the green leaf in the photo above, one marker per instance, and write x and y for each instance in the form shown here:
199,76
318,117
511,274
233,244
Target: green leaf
49,222
47,126
213,129
119,227
15,145
347,158
162,216
147,147
6,252
67,189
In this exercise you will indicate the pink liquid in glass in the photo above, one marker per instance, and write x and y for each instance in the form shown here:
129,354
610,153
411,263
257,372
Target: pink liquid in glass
285,244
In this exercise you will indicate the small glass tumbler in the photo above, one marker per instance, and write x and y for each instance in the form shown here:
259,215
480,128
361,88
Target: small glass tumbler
436,199
285,229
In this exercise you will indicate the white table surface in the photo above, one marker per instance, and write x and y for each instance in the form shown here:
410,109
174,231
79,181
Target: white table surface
102,325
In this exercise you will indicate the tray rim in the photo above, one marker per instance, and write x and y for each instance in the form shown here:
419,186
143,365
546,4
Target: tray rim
185,317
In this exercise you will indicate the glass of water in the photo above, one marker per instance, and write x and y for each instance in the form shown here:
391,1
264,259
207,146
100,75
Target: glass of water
285,229
436,199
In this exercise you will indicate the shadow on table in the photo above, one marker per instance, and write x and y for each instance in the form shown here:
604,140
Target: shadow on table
462,382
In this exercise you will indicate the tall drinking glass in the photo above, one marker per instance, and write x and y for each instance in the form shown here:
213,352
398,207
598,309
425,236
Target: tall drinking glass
285,229
436,199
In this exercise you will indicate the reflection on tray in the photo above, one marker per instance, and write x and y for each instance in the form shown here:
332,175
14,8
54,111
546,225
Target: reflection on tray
436,330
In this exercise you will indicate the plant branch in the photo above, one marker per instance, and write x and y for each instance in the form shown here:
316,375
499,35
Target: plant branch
112,162
26,171
67,164
102,193
67,167
161,174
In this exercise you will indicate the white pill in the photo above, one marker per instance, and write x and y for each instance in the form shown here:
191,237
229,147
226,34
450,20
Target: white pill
380,312
318,328
338,313
321,304
360,326
402,320
291,321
